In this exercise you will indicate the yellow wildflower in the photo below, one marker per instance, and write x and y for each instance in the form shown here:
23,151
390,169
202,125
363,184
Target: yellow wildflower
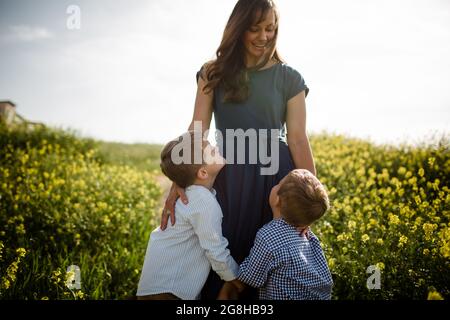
351,224
380,265
402,241
365,237
434,295
393,219
106,220
421,172
429,228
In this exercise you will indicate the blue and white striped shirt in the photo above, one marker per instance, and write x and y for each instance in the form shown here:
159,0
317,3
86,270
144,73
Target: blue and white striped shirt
285,265
178,259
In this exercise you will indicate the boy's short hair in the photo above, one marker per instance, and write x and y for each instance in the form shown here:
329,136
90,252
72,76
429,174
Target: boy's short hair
183,174
303,198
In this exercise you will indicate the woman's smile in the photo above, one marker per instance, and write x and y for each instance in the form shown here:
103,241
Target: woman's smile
259,47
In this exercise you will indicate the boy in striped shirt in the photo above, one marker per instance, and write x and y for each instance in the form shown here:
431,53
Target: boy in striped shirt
178,259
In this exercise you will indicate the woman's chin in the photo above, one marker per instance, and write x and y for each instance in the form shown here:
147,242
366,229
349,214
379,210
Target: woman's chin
255,53
258,53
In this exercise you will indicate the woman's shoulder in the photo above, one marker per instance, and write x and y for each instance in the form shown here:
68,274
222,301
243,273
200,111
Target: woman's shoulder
289,70
206,65
204,69
292,80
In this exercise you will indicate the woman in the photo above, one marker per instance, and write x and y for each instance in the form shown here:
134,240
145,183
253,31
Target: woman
248,86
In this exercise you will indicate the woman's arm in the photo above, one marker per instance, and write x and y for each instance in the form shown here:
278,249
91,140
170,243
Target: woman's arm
203,106
202,112
297,138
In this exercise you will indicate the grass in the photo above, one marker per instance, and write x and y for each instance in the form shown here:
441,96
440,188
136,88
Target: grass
140,156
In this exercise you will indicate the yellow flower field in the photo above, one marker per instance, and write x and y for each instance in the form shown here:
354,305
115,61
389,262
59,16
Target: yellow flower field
64,203
61,206
389,209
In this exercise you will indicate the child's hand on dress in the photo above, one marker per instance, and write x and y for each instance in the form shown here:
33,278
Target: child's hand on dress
231,290
228,292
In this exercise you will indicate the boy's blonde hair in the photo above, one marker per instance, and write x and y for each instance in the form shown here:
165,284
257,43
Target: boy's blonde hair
303,198
183,174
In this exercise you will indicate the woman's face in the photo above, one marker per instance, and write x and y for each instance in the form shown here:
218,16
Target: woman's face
257,38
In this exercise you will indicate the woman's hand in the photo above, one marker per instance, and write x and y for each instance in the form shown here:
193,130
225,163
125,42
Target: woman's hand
169,207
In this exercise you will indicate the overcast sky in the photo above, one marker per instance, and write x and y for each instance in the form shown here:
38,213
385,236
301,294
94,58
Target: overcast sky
375,68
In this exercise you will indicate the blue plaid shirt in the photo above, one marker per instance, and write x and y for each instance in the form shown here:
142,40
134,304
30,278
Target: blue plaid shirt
285,265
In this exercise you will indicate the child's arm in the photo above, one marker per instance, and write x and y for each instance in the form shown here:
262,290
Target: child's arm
256,267
207,225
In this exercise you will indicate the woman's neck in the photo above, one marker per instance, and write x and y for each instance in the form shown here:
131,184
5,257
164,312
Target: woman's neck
251,62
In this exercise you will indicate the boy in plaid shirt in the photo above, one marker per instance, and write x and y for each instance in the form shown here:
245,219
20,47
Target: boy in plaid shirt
285,263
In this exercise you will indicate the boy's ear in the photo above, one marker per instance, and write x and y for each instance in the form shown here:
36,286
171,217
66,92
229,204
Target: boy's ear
277,200
202,173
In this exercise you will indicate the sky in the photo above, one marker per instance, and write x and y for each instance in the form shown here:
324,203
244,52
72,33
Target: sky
376,69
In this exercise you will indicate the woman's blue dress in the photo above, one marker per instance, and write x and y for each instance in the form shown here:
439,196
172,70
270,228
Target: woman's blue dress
242,191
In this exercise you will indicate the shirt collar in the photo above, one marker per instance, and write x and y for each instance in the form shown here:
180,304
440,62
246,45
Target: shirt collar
198,187
308,234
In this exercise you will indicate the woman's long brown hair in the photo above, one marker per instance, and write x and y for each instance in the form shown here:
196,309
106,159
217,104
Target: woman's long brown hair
229,69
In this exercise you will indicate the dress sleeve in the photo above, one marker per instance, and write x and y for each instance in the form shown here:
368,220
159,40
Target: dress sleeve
200,73
295,84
